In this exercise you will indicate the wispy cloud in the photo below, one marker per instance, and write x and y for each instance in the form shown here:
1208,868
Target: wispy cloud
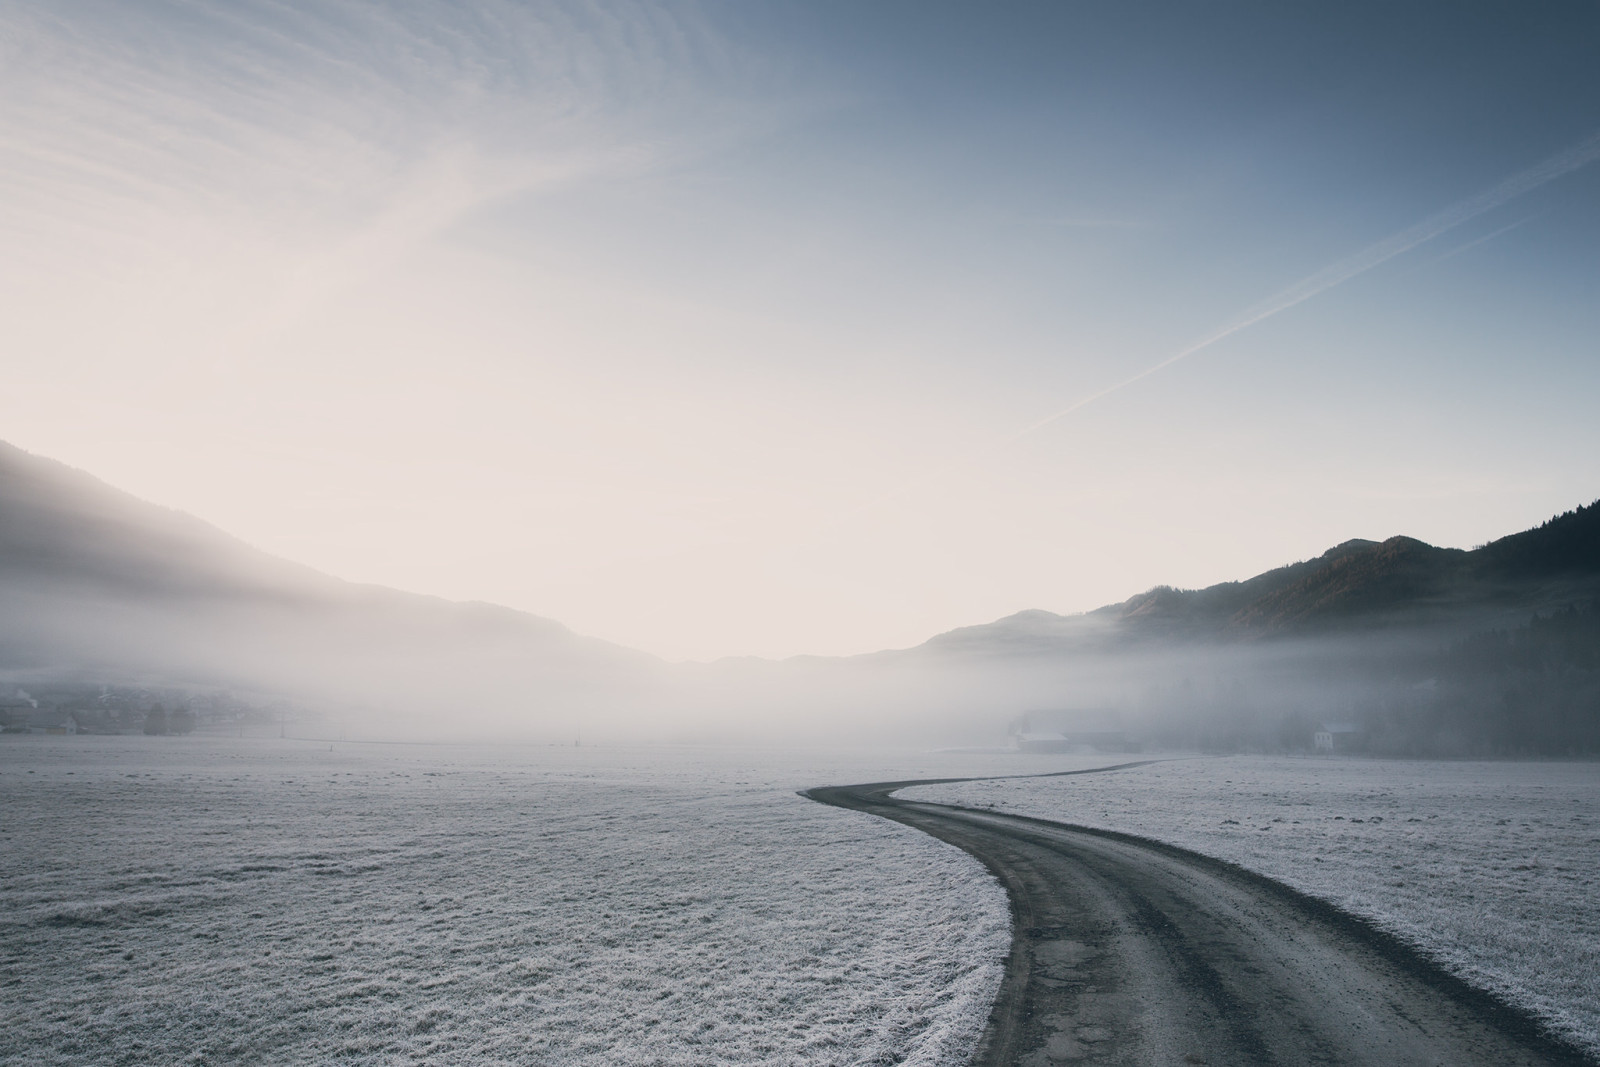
320,122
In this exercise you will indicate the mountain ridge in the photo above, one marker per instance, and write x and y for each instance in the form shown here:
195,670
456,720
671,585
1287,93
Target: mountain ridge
1358,583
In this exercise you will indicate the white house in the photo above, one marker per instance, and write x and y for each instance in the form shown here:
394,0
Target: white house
1335,736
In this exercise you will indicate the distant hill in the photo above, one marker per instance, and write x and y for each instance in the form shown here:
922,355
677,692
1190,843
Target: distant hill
1357,586
61,526
96,583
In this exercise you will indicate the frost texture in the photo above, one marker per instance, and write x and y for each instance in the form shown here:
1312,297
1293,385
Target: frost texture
209,902
1489,868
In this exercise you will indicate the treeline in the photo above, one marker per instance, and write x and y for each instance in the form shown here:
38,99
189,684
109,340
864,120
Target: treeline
103,708
1532,690
158,721
1529,691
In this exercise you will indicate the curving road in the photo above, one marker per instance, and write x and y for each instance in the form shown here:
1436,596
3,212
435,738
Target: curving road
1129,951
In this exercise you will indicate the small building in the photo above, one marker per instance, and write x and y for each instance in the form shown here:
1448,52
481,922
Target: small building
1338,737
1077,741
1071,730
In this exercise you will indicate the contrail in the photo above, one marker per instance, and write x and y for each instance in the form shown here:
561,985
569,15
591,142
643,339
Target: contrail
1579,155
1476,241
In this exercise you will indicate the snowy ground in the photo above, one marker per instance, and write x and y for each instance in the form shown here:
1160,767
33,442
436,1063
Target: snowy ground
1491,868
203,900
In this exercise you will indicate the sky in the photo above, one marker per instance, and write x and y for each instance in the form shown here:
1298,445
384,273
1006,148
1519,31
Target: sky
769,329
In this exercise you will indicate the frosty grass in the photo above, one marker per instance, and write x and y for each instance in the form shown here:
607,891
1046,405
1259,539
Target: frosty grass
1490,868
213,901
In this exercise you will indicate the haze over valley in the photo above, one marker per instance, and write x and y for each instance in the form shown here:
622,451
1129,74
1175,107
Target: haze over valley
1412,644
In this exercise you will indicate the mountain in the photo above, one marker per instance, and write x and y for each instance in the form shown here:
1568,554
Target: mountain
1355,587
95,583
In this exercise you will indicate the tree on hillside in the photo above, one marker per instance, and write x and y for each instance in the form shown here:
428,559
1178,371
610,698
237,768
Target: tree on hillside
155,721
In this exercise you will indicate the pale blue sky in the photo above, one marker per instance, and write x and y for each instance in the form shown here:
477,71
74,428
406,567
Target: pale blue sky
711,328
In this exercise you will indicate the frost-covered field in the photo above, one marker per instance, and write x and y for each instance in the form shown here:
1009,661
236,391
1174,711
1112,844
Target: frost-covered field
192,900
1492,868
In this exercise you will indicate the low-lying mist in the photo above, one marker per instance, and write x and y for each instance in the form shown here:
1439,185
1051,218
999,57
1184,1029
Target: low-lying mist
1395,648
468,671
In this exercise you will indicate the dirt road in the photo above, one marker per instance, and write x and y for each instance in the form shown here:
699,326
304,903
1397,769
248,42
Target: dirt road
1128,951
